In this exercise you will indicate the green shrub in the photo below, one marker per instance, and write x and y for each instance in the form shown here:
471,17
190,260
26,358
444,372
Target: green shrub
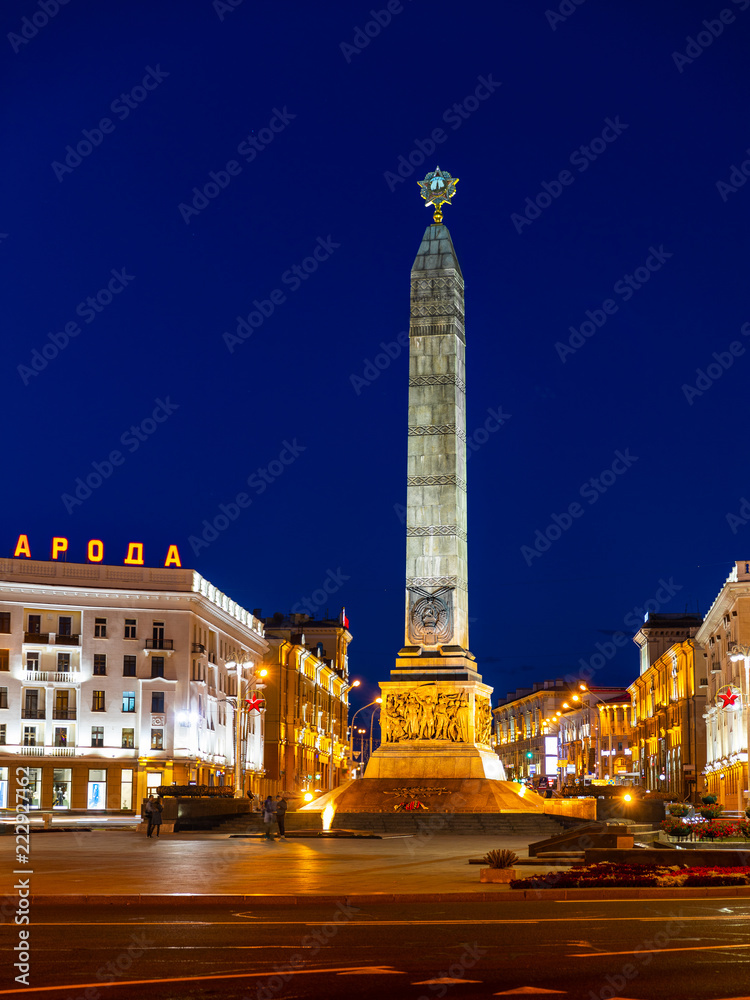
500,859
678,808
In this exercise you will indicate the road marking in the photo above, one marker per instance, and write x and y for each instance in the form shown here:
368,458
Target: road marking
99,985
660,951
534,989
445,979
371,923
373,970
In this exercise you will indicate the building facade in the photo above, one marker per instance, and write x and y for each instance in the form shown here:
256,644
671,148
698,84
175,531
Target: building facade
667,706
525,725
307,702
614,742
726,631
579,733
116,679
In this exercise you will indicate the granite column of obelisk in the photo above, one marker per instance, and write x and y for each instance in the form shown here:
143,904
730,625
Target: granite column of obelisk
436,715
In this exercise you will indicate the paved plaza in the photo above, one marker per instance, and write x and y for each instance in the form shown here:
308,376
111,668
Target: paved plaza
107,862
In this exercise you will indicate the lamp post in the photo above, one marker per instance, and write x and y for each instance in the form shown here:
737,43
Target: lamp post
741,651
241,719
372,719
376,701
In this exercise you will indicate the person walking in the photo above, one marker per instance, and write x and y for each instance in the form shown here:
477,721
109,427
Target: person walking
269,815
281,807
156,811
148,815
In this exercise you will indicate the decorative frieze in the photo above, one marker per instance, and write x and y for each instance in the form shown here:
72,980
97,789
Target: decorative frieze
438,380
422,430
436,481
436,529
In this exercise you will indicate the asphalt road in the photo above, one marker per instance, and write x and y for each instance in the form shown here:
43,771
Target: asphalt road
671,948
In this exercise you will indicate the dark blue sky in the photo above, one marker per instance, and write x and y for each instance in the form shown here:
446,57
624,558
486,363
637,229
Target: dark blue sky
317,124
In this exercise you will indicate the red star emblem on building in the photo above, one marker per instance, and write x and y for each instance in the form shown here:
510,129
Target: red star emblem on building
254,703
729,698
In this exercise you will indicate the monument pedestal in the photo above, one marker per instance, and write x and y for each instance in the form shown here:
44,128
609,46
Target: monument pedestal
435,729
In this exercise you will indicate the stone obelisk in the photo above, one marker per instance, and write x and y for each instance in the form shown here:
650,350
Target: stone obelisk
436,715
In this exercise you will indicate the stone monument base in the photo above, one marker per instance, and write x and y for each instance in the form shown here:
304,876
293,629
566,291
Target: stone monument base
438,795
433,761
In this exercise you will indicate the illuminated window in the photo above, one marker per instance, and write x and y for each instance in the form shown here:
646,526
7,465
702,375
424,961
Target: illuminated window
3,697
4,659
130,628
128,701
97,701
97,736
29,736
100,628
61,736
2,735
128,739
100,664
157,739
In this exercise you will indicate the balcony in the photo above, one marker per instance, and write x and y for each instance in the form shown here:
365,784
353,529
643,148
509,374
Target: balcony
198,647
64,713
159,644
32,751
37,638
67,677
36,676
33,713
67,640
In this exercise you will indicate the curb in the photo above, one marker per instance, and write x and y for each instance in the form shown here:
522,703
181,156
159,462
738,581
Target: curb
503,895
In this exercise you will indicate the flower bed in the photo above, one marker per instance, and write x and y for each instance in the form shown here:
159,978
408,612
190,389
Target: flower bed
607,874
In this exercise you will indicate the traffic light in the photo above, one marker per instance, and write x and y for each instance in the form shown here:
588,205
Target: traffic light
529,755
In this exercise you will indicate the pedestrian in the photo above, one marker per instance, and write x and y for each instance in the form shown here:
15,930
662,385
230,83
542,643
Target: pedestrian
156,811
148,814
269,815
281,807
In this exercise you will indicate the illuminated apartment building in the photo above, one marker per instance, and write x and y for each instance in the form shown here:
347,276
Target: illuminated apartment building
115,679
307,700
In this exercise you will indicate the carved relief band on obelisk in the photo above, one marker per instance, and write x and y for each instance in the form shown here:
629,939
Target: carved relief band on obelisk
437,626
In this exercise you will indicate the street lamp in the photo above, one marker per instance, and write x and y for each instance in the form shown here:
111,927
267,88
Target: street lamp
376,701
241,719
740,651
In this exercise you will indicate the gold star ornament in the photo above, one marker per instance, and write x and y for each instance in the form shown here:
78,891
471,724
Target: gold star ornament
437,189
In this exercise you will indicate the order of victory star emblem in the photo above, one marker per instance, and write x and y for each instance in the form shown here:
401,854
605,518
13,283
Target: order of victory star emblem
728,697
438,188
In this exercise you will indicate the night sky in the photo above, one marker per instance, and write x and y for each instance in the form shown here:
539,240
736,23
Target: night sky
601,222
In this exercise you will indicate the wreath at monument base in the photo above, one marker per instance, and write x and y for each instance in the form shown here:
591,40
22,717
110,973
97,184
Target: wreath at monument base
412,806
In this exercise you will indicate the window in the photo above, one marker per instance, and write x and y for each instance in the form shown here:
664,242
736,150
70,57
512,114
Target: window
128,666
32,661
96,797
97,736
4,659
100,628
157,739
35,624
130,628
158,635
126,788
97,701
61,787
128,701
29,736
64,623
157,701
128,739
4,621
61,736
100,664
2,735
157,666
63,663
3,697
